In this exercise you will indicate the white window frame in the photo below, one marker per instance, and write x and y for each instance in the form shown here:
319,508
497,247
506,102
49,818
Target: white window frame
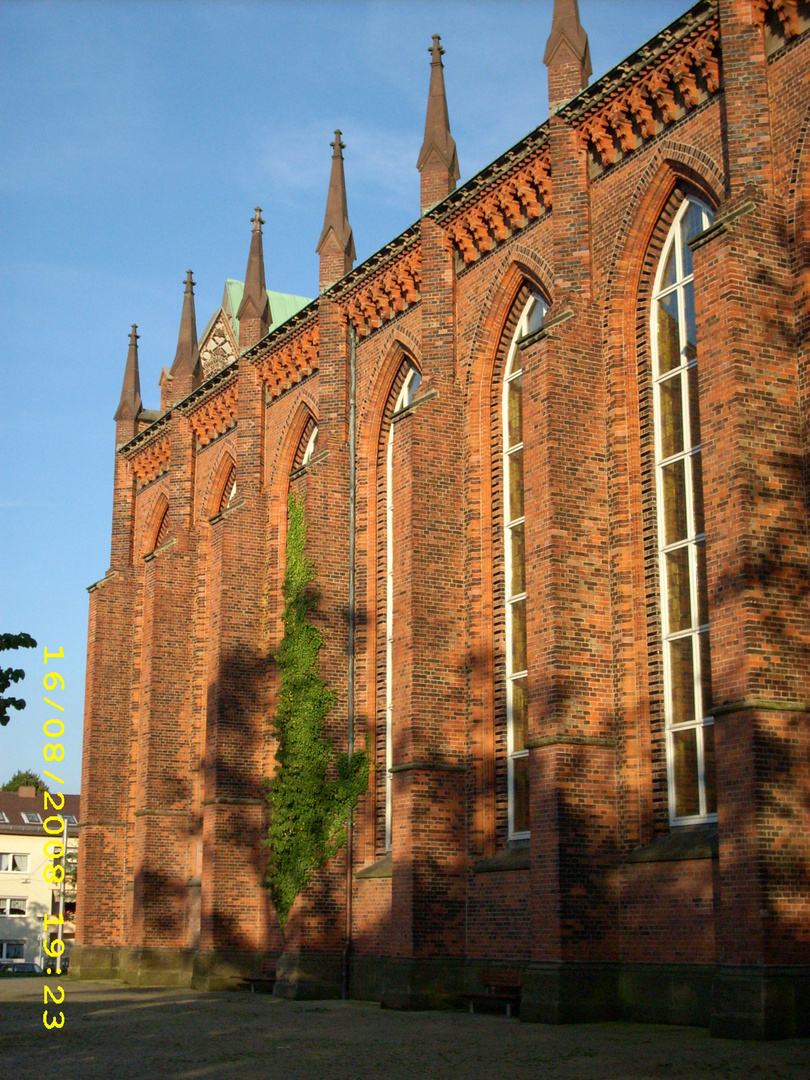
5,907
409,387
527,322
309,450
31,818
692,537
4,950
9,868
3,818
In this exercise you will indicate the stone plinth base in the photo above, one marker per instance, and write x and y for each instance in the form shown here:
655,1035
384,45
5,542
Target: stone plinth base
760,1004
308,975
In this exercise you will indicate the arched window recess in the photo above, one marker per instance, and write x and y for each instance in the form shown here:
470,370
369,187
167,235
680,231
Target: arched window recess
157,532
681,527
517,713
410,385
223,494
229,491
307,445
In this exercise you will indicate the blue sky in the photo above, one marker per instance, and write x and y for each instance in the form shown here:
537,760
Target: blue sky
137,138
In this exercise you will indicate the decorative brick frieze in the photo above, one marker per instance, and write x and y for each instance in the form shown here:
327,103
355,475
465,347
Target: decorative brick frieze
287,363
503,209
149,454
216,414
782,20
392,289
648,101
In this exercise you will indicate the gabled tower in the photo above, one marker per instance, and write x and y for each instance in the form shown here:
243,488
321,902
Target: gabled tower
567,55
336,243
185,371
254,312
438,160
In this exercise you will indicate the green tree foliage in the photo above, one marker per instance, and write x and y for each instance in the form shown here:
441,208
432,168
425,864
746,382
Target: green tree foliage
25,778
12,675
312,791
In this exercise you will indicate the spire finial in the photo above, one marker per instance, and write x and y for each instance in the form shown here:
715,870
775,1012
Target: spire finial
185,370
438,159
254,315
567,55
130,404
337,255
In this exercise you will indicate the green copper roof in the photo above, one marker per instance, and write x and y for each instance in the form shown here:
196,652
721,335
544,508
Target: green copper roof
282,305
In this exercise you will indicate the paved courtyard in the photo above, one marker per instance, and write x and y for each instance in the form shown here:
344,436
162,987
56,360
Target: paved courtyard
112,1031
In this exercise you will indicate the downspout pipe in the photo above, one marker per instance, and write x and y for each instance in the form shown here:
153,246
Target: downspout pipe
347,948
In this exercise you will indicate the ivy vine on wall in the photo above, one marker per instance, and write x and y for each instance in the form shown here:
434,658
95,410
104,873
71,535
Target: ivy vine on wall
313,789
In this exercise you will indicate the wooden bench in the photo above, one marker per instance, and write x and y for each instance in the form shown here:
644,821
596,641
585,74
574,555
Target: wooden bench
500,986
265,980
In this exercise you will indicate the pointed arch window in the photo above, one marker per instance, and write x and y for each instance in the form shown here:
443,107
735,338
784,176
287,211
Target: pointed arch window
517,710
681,527
311,447
307,444
409,387
229,491
157,531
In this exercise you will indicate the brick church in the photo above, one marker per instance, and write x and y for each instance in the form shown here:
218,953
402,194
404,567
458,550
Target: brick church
553,445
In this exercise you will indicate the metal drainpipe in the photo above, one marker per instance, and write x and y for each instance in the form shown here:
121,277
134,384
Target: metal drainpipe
347,948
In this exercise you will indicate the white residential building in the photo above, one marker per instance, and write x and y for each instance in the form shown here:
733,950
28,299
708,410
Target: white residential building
26,851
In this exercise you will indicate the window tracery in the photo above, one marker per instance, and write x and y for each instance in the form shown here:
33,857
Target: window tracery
405,397
681,526
515,572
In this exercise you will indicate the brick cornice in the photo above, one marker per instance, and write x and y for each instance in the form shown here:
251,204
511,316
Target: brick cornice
341,289
513,160
655,88
657,50
151,458
787,22
394,286
285,362
137,442
216,413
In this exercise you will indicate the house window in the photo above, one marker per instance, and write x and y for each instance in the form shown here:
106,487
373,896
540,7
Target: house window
409,387
32,819
12,950
681,528
17,864
70,819
12,905
3,818
517,711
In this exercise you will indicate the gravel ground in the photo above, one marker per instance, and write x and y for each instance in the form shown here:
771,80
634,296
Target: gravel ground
113,1031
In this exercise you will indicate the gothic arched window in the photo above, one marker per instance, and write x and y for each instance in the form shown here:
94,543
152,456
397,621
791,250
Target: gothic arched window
681,528
517,709
311,447
404,399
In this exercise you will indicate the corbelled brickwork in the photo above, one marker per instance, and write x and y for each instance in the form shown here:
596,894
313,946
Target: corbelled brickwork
514,662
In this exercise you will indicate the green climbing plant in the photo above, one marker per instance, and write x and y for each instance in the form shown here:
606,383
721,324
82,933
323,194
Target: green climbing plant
313,789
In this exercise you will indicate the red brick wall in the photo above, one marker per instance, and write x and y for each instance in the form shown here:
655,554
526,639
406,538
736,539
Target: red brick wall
179,731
